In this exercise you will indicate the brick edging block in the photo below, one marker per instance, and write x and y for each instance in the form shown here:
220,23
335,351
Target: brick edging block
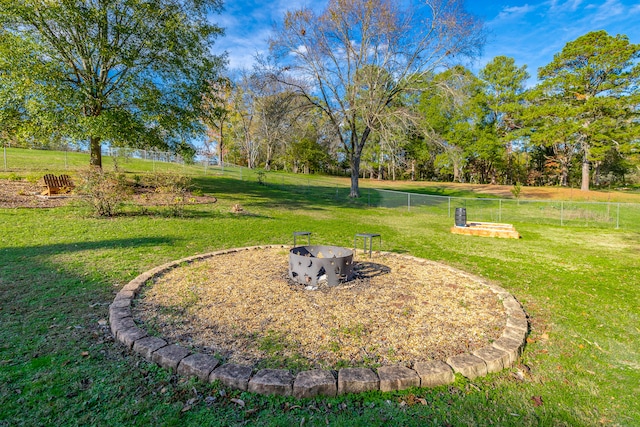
357,380
397,378
272,381
313,383
501,354
198,365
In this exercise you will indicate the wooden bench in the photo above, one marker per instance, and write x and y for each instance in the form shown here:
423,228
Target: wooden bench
57,184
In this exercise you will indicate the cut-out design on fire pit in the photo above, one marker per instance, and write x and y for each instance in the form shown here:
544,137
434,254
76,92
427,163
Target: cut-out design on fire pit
314,265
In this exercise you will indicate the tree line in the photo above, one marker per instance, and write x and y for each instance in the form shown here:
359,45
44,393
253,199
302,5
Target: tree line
579,125
367,88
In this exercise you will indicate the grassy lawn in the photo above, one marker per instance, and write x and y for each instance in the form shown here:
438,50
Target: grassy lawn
60,268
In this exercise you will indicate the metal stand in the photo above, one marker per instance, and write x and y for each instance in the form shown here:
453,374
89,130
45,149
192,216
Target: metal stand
366,236
301,233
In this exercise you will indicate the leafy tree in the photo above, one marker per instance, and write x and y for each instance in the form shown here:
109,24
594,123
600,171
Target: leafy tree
309,154
356,57
130,72
449,118
186,151
588,97
504,86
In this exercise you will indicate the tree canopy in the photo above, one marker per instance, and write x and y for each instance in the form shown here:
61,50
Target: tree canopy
131,72
588,97
355,58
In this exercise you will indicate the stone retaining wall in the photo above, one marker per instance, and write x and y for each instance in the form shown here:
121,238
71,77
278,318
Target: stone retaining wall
501,354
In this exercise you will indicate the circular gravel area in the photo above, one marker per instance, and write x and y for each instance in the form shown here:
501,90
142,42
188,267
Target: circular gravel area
242,308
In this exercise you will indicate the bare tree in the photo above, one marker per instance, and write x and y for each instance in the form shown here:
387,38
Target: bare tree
276,112
244,118
356,57
217,107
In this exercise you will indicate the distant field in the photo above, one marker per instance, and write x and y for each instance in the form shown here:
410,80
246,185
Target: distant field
34,163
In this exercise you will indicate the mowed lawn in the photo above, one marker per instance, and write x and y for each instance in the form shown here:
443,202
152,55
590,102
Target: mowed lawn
60,269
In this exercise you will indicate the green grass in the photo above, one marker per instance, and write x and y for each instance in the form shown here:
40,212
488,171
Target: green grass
60,268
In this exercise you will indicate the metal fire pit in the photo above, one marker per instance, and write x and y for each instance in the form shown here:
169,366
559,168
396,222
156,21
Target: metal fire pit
309,265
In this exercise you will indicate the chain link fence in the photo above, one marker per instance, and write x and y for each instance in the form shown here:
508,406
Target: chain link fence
551,212
15,159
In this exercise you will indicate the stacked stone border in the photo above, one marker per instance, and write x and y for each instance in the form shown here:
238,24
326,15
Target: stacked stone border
500,354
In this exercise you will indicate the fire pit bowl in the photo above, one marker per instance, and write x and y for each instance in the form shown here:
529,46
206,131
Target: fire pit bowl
311,265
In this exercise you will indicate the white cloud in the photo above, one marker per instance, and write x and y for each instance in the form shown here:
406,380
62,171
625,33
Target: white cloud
511,12
301,50
567,6
248,25
610,9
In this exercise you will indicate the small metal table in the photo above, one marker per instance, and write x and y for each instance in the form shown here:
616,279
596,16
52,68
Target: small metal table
366,236
301,233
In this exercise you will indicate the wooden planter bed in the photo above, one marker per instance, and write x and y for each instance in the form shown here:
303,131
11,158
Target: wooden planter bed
487,229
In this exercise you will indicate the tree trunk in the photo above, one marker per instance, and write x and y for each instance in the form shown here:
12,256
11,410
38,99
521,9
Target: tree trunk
564,174
95,156
221,145
355,152
355,173
267,163
380,162
585,170
393,168
456,171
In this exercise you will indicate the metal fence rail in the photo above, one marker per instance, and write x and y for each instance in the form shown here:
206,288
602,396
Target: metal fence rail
552,212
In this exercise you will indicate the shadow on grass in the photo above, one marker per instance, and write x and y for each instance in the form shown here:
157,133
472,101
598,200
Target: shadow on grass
56,349
293,196
61,248
285,196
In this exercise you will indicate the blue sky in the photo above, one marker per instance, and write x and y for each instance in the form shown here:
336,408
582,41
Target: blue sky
531,32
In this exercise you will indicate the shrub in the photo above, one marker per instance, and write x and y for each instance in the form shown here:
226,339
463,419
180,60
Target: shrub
106,192
171,190
262,177
516,190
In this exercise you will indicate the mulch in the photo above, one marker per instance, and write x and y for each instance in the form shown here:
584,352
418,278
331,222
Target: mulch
243,308
25,194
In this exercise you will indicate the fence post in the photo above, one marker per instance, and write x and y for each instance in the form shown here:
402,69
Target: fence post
449,215
561,213
408,202
618,217
5,156
500,210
